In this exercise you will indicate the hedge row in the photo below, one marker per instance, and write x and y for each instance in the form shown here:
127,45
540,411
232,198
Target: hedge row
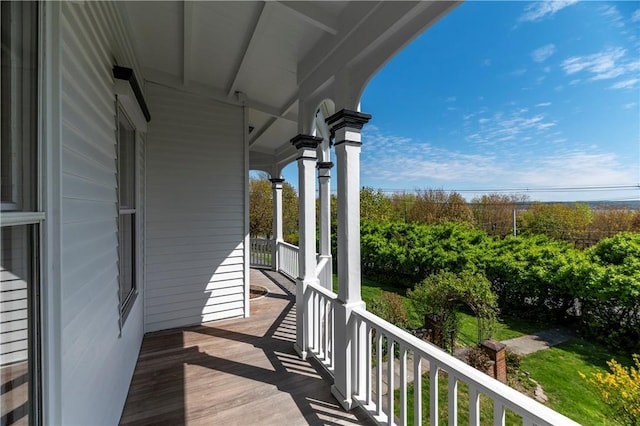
532,276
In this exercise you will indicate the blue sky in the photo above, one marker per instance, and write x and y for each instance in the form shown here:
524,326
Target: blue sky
511,95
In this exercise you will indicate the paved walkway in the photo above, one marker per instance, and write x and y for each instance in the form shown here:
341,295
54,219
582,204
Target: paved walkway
525,345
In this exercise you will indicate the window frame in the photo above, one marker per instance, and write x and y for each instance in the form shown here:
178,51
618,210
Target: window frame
30,213
126,303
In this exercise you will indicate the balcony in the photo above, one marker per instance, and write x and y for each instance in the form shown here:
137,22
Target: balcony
241,371
246,371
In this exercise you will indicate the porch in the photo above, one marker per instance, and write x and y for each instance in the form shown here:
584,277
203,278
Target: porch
242,371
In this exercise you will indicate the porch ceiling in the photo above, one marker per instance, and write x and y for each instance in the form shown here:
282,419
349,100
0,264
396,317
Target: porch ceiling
269,51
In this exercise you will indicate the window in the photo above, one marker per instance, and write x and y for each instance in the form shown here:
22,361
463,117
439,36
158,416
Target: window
126,213
21,220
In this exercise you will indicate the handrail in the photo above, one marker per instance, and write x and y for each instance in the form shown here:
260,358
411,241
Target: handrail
503,396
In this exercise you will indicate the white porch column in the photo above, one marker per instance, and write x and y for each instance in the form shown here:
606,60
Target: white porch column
306,146
276,189
324,180
346,126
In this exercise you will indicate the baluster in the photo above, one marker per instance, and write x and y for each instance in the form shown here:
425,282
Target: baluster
433,392
403,385
367,350
498,413
378,372
417,388
390,376
474,406
452,399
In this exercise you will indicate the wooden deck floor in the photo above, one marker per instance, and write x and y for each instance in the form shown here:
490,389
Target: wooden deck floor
234,372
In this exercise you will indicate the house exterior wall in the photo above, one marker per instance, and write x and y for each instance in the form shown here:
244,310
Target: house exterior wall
195,195
97,356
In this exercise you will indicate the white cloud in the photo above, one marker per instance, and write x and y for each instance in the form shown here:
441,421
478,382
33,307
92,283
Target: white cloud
629,105
604,65
576,168
635,17
519,71
486,63
543,104
543,53
625,84
410,163
451,99
538,10
614,15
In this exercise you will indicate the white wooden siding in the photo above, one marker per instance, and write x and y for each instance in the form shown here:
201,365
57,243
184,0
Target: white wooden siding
97,358
195,210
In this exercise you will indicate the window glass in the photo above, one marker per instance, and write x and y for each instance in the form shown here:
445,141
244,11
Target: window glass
17,320
126,162
19,62
127,213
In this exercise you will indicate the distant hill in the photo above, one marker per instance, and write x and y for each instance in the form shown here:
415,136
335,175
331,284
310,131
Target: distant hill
595,205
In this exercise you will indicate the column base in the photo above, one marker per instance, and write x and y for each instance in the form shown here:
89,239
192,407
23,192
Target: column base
301,353
346,403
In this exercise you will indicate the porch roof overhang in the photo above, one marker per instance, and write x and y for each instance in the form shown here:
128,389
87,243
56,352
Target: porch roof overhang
280,59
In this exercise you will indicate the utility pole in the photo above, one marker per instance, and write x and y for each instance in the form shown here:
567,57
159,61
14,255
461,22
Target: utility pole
515,229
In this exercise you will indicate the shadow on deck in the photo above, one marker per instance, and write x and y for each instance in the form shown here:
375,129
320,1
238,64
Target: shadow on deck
242,371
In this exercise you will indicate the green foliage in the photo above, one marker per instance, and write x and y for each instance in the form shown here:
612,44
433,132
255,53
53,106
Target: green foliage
610,295
439,295
620,390
261,208
374,205
410,252
534,276
390,307
559,221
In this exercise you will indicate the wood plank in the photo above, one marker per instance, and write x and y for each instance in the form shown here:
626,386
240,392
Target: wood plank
242,371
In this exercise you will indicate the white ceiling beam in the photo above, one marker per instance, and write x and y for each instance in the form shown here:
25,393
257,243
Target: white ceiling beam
288,106
378,25
258,31
351,18
187,31
168,80
313,15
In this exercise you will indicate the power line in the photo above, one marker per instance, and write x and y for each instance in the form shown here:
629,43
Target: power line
541,189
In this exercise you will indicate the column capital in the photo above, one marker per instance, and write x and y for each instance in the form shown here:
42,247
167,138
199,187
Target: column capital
276,180
347,118
302,141
324,165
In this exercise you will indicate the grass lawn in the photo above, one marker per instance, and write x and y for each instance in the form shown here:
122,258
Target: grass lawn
556,370
486,406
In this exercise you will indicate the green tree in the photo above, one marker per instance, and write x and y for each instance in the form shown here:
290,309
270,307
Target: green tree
437,206
261,209
374,205
493,213
558,221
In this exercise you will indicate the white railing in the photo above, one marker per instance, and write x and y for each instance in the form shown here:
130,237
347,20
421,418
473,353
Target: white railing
378,397
288,258
261,252
320,304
